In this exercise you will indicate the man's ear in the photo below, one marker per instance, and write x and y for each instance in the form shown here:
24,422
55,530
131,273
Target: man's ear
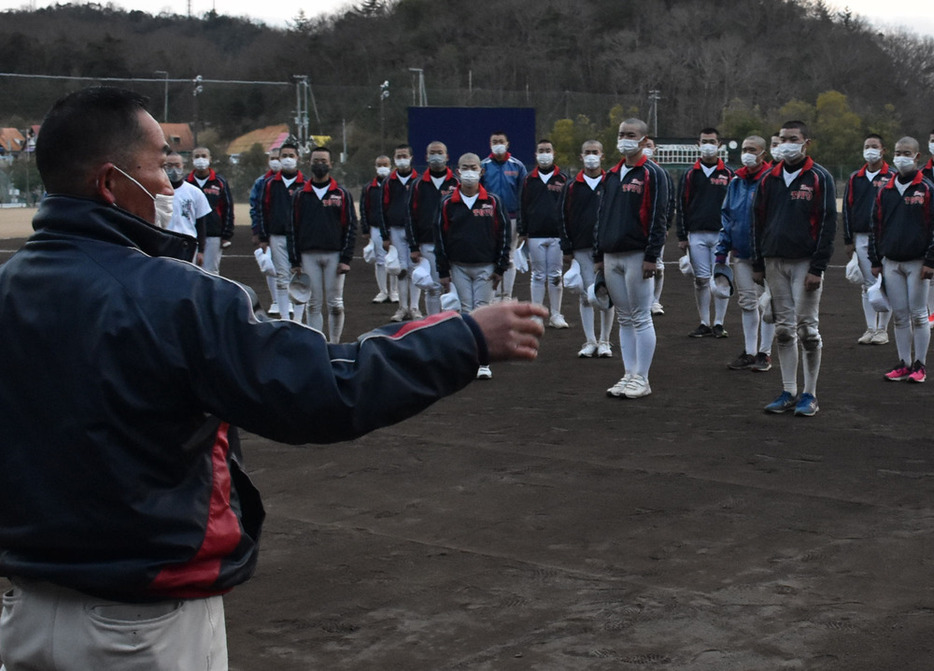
104,183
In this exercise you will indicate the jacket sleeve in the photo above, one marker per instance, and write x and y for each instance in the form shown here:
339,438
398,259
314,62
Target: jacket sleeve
758,223
364,226
283,380
504,257
658,226
681,205
928,214
523,216
256,195
847,231
564,211
293,229
827,225
349,218
227,223
725,241
875,230
411,214
442,264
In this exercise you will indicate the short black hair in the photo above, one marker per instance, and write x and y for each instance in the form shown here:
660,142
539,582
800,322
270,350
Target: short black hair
799,125
875,136
545,140
500,132
407,147
322,148
84,129
288,145
710,130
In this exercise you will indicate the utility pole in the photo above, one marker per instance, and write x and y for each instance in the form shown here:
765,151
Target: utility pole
198,88
301,111
383,94
419,93
654,96
165,113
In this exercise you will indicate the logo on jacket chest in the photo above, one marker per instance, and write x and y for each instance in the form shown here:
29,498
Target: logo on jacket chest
211,190
804,192
721,180
914,199
635,186
554,187
485,210
335,200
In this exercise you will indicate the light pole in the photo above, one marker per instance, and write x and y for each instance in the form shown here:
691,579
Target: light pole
165,112
198,88
383,94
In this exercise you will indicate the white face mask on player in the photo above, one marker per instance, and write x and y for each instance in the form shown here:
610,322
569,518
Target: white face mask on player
165,205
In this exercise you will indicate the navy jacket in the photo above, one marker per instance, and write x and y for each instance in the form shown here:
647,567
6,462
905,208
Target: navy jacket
903,223
276,205
633,213
579,204
424,201
395,202
700,198
472,235
797,221
541,205
327,224
221,222
859,197
120,471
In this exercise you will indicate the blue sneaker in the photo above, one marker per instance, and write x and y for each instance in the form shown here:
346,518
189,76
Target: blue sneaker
807,406
783,403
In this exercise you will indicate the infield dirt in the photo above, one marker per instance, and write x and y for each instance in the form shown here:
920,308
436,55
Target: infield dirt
530,522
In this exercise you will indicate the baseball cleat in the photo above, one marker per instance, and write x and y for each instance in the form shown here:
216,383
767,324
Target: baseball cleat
702,331
484,373
637,387
719,331
880,337
866,338
557,322
604,349
588,350
618,389
657,309
381,297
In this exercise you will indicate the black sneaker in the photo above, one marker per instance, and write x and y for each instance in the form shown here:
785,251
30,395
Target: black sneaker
719,331
702,331
763,363
742,362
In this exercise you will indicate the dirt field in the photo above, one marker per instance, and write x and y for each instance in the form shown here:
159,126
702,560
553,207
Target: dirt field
530,522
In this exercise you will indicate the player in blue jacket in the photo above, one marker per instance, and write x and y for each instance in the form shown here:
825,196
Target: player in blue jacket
503,176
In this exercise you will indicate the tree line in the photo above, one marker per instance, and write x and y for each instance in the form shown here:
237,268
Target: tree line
740,65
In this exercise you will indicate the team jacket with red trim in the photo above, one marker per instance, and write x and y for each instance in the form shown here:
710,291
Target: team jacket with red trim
797,221
276,205
633,212
395,204
903,223
371,198
859,197
472,235
928,169
327,224
120,473
579,205
700,198
540,215
424,201
220,198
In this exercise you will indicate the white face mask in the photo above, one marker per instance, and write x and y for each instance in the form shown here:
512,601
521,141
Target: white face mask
777,153
403,163
437,160
498,149
905,164
871,154
288,163
931,148
591,161
274,165
544,159
201,163
792,151
749,159
469,177
628,146
708,150
383,171
648,152
165,205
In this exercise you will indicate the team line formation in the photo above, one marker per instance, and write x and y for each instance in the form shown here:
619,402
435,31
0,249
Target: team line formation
458,236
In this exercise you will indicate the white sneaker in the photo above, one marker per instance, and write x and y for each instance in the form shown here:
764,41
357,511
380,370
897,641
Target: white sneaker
604,350
637,388
866,338
394,297
657,308
558,322
588,350
484,373
273,309
381,297
416,314
400,315
880,337
538,320
618,389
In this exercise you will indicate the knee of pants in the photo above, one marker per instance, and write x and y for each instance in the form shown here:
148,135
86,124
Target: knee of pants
555,278
784,335
538,277
747,300
336,308
919,318
701,282
809,337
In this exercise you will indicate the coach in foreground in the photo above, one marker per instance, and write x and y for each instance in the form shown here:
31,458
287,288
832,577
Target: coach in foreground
124,371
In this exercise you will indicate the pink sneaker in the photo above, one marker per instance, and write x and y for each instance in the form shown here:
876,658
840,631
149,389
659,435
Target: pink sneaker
918,373
899,373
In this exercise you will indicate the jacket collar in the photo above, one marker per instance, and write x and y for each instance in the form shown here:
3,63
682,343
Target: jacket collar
93,219
309,185
580,175
778,167
884,170
427,176
299,177
622,162
458,197
744,173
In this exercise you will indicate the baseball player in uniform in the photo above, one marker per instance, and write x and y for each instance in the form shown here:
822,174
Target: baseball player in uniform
503,175
220,225
859,197
371,202
631,228
394,213
901,247
579,203
191,208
